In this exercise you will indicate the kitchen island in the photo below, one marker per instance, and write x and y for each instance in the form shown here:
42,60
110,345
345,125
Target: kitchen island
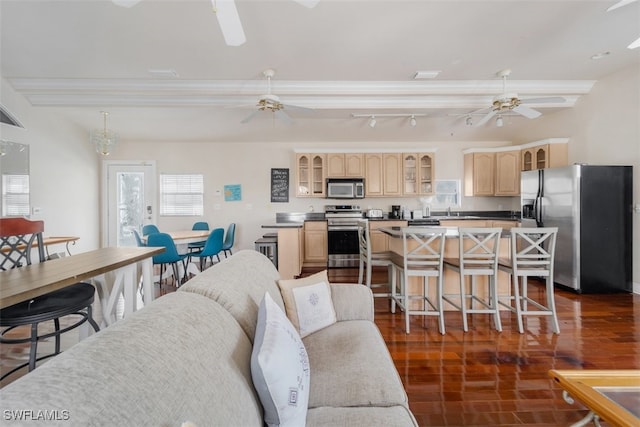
289,247
451,282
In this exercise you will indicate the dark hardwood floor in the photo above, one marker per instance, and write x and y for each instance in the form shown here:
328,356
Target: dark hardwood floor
486,378
489,378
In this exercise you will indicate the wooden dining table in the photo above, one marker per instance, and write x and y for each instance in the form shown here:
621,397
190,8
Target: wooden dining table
182,237
21,284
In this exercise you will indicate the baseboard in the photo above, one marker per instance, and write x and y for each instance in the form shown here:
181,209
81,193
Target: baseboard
636,288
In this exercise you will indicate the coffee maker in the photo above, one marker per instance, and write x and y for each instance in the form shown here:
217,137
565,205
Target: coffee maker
396,212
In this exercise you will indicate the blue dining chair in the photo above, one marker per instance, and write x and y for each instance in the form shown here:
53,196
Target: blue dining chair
169,256
229,239
212,247
149,229
196,246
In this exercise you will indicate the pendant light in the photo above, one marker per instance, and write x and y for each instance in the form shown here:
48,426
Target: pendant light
104,140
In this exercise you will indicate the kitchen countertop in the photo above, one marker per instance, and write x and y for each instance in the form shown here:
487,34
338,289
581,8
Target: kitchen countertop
451,232
284,225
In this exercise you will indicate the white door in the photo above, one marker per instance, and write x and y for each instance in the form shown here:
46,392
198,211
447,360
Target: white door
129,195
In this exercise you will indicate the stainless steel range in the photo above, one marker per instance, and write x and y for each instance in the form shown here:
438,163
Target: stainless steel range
342,239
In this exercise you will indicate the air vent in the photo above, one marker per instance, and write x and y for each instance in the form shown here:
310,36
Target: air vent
6,117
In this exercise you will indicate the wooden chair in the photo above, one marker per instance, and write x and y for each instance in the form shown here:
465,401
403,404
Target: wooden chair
532,255
369,259
423,254
17,238
478,256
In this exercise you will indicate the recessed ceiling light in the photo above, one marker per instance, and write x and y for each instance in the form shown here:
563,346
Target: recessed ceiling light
164,72
600,55
422,75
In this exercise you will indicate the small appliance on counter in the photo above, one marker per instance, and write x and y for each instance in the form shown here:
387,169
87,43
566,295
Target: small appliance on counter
416,214
396,212
374,213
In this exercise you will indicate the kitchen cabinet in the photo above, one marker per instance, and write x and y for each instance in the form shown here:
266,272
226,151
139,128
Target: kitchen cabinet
290,252
468,223
549,153
392,174
310,175
479,174
507,173
341,165
315,243
417,174
506,225
379,240
373,178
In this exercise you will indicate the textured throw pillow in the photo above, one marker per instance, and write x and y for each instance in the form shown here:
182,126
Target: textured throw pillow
279,367
308,302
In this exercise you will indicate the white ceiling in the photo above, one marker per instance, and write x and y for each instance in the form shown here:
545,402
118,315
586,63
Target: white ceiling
77,58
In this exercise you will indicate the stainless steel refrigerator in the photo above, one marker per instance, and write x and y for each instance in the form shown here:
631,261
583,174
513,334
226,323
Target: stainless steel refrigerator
592,208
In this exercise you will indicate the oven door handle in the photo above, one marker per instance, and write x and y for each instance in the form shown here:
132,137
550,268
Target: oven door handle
342,228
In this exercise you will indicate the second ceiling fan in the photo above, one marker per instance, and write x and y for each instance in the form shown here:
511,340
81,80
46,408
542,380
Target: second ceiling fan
228,18
510,102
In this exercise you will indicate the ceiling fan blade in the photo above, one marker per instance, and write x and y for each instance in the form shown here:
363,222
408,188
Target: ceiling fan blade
486,118
283,116
229,22
249,117
308,3
546,100
620,4
298,108
529,113
126,3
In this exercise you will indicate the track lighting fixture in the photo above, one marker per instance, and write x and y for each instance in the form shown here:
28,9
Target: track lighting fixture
373,117
499,121
469,121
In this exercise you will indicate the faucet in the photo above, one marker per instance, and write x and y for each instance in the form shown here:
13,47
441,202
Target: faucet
448,210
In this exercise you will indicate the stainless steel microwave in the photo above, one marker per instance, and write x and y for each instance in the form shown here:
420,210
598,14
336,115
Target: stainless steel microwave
345,188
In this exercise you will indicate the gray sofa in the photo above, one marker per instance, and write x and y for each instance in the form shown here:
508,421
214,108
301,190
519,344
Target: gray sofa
186,357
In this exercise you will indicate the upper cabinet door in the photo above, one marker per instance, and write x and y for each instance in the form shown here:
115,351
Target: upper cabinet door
336,165
410,174
508,173
374,174
392,165
426,173
310,172
354,165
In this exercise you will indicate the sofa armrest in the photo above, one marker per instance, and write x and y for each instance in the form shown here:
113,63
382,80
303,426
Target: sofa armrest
352,301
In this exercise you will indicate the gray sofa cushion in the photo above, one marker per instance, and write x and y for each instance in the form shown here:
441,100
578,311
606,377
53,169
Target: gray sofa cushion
351,366
390,416
239,284
181,358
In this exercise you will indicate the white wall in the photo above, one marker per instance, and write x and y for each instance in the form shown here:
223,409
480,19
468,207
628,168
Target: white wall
63,171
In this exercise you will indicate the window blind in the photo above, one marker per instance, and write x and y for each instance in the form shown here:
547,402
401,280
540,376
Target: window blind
181,195
15,195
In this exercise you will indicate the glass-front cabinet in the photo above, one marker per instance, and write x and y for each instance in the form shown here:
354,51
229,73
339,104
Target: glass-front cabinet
418,173
310,171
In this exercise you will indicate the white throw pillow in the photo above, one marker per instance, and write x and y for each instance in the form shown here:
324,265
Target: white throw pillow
279,367
308,302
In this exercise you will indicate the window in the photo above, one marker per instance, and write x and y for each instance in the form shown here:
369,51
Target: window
15,195
447,193
181,195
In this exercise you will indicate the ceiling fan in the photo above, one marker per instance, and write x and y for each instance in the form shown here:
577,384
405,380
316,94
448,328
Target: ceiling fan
621,3
509,102
270,102
228,17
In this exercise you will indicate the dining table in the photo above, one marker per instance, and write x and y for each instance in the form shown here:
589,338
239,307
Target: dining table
183,237
31,281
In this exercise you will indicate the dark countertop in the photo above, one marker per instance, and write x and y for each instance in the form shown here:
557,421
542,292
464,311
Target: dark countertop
301,217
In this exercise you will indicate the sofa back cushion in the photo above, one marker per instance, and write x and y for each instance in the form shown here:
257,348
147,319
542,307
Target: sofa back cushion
181,358
238,284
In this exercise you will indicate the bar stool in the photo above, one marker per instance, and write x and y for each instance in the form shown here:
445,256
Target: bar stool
423,253
532,255
371,259
268,246
478,256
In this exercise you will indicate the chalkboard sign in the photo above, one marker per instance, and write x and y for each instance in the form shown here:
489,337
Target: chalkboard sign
280,185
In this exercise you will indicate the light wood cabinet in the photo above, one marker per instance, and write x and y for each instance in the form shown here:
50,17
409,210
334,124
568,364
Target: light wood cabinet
479,174
374,175
341,165
392,175
504,224
379,240
550,153
310,175
465,223
315,243
290,252
507,173
417,174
